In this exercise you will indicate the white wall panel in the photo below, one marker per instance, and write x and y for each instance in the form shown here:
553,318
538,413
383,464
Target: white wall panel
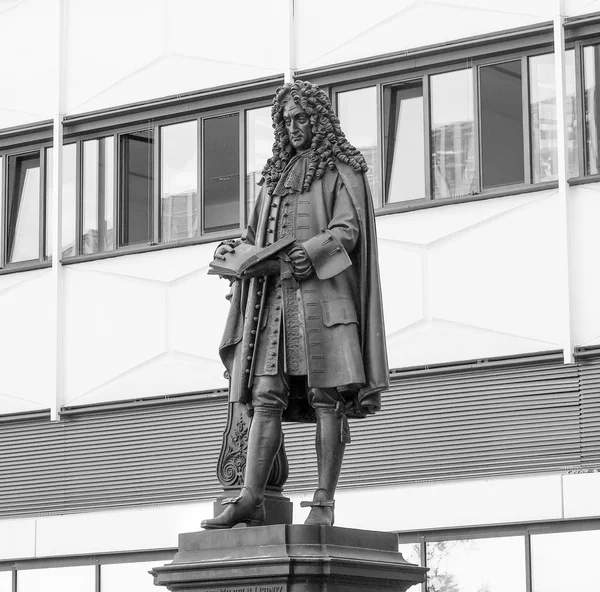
581,495
580,7
156,48
28,68
143,325
347,31
585,262
113,326
25,347
484,274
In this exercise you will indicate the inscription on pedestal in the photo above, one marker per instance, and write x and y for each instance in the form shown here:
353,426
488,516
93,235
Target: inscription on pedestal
261,588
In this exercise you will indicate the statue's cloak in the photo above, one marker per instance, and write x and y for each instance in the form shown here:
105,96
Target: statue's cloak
239,332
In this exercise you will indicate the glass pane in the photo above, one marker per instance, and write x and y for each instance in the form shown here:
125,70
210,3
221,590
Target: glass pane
478,565
452,134
133,577
179,197
98,195
222,172
542,105
23,208
1,208
554,555
404,143
57,579
411,552
501,101
357,112
5,581
259,147
591,62
137,187
68,197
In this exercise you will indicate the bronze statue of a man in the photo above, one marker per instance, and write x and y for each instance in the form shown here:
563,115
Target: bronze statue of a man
304,334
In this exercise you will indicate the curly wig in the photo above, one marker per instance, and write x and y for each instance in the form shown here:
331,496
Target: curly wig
328,143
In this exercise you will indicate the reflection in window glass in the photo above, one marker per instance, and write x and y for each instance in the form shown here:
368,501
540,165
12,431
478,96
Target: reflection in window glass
1,208
591,66
542,106
23,239
501,112
411,552
5,581
136,187
179,197
98,195
68,200
133,577
490,565
452,134
553,557
57,579
222,172
259,147
357,112
404,143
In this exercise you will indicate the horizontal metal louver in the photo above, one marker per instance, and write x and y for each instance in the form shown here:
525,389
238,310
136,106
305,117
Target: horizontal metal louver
590,413
146,455
470,423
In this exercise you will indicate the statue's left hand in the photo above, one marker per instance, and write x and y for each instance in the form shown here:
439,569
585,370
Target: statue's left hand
268,267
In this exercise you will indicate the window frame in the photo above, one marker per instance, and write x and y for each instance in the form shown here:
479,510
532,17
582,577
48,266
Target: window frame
420,64
7,154
198,114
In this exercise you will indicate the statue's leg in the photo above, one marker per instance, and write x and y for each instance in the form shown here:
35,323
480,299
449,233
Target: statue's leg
264,440
330,445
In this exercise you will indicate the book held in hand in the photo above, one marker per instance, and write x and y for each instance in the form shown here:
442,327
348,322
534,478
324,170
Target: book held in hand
244,256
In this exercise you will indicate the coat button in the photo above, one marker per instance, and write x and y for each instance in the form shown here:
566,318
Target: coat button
251,345
247,371
249,358
257,306
253,332
255,319
259,293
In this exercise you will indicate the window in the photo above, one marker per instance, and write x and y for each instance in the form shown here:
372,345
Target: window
259,143
473,565
552,558
542,105
591,62
98,231
455,132
404,145
133,577
5,581
179,196
57,579
68,200
501,105
221,164
137,188
452,134
24,208
503,559
357,111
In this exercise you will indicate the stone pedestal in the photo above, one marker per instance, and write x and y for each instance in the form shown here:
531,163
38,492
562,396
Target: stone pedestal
288,558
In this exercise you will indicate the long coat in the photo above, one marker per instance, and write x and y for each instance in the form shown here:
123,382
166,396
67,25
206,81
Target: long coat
343,312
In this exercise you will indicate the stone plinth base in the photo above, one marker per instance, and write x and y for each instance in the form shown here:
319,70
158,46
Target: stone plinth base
288,558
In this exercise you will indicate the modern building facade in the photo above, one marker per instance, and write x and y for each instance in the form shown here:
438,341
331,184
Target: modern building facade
132,135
